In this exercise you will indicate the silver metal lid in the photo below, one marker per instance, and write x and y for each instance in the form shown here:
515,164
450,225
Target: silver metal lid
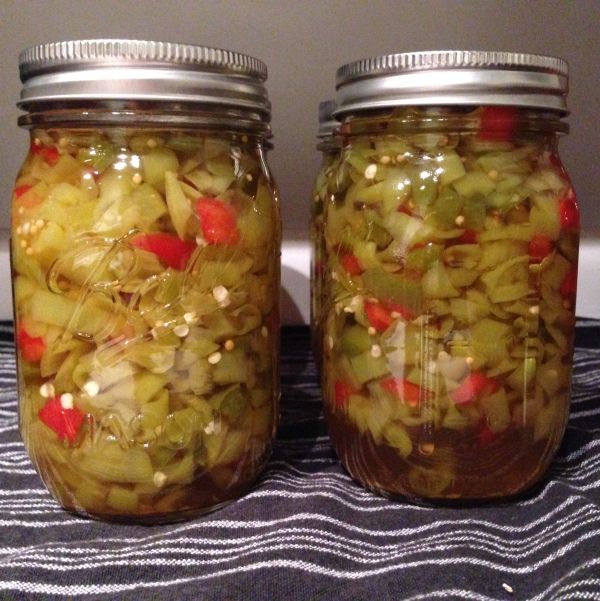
327,122
453,77
124,70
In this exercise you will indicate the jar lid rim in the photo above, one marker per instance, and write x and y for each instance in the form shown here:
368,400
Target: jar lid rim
52,56
327,122
453,77
449,59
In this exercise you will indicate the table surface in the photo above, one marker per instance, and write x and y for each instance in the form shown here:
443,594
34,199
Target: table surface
306,531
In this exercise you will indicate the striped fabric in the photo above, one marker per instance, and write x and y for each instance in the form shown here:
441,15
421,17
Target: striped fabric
306,531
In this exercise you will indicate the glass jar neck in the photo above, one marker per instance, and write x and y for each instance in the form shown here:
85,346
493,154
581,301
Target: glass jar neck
329,145
455,119
146,114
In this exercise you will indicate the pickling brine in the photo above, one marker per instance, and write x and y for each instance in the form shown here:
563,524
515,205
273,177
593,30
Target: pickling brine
451,247
146,276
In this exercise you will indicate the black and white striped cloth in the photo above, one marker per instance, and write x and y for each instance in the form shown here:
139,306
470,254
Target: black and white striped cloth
306,531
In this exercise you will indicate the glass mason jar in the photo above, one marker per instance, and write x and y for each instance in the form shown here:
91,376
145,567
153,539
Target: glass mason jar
451,241
329,147
145,258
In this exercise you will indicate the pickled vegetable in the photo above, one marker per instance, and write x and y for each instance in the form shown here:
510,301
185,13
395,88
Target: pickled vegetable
448,302
146,286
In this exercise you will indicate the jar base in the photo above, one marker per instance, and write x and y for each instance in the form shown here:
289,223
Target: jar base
153,519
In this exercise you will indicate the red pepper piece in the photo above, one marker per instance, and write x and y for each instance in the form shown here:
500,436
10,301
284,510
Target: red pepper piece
31,347
569,212
350,263
406,210
540,247
468,237
20,190
498,123
66,423
171,251
485,436
406,391
475,385
405,312
218,221
49,153
379,317
568,286
342,392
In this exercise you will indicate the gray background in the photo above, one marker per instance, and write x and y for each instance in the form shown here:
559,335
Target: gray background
303,42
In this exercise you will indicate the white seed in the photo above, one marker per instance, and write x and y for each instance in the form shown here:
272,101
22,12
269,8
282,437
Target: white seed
507,587
371,171
534,310
182,330
91,388
400,158
330,342
33,230
66,400
200,241
443,356
19,230
469,360
244,138
376,351
493,174
221,295
395,315
249,177
229,345
212,427
355,303
159,323
214,358
25,227
385,159
159,479
372,331
460,220
40,223
427,448
47,390
190,318
29,251
151,143
62,142
348,309
137,179
264,331
21,210
23,244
